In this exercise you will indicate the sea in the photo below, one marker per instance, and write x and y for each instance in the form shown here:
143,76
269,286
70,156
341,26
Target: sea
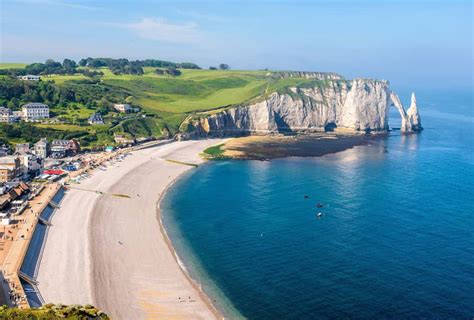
395,238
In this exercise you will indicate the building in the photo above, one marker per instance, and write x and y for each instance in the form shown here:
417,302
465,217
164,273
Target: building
124,108
63,148
9,116
9,168
42,148
35,111
30,164
59,148
29,77
96,118
6,115
74,147
22,148
17,115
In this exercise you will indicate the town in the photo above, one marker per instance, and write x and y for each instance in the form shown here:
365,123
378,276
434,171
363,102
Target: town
33,181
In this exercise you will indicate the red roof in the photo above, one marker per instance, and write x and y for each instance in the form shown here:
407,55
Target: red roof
58,172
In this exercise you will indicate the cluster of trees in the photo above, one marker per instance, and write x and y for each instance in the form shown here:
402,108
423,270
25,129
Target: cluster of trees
32,133
49,67
14,93
168,71
222,66
168,64
124,66
117,66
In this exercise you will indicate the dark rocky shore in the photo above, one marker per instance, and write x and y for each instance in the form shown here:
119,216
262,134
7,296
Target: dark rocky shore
314,145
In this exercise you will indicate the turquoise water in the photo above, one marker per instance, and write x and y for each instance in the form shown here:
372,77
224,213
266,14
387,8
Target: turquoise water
396,240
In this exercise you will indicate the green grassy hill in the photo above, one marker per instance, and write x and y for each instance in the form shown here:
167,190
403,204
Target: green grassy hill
9,65
166,100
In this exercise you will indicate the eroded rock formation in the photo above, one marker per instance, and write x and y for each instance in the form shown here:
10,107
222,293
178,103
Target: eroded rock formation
359,105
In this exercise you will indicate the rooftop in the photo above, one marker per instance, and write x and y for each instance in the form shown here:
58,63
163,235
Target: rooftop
35,105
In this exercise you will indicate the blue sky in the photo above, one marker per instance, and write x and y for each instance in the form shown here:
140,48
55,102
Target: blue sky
406,42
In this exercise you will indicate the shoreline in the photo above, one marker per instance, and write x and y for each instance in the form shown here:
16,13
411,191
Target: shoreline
204,296
265,148
86,286
94,264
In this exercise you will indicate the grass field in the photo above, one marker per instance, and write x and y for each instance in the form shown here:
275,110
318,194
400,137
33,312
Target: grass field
193,90
8,65
169,99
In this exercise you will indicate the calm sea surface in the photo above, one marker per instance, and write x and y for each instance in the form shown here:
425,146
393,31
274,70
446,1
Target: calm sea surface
396,240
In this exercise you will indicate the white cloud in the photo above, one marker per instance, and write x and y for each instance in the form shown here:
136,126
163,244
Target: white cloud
162,30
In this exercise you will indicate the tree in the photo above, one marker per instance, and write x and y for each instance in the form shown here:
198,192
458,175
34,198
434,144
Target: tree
50,63
83,62
69,66
224,66
212,68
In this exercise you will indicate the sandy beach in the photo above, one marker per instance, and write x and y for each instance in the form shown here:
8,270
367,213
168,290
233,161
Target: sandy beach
110,251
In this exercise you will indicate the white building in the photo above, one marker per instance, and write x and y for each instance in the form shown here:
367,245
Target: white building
29,163
29,77
96,118
22,148
121,107
35,111
6,115
42,148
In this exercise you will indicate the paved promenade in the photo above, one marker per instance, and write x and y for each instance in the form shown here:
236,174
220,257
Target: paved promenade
18,235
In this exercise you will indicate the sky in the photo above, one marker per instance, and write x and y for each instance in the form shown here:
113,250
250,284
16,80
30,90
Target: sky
410,43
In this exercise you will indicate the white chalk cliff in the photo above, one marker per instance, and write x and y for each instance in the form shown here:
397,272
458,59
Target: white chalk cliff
360,105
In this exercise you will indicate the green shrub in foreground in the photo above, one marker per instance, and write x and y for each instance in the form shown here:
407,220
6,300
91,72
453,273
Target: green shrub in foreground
52,311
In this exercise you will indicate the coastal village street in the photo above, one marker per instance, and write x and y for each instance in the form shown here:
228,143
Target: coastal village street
15,237
15,240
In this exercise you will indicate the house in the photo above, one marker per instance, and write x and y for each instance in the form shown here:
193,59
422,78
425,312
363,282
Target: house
62,148
14,199
35,111
29,77
96,118
124,108
42,148
59,148
6,115
17,115
22,148
74,147
9,168
9,116
30,163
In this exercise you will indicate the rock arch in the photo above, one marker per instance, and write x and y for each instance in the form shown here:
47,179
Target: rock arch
411,121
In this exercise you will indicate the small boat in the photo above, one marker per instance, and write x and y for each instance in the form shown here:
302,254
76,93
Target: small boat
306,196
319,215
319,205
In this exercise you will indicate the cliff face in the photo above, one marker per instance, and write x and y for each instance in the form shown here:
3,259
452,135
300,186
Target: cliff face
360,105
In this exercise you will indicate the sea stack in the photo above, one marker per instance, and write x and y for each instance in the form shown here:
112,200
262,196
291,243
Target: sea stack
413,115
